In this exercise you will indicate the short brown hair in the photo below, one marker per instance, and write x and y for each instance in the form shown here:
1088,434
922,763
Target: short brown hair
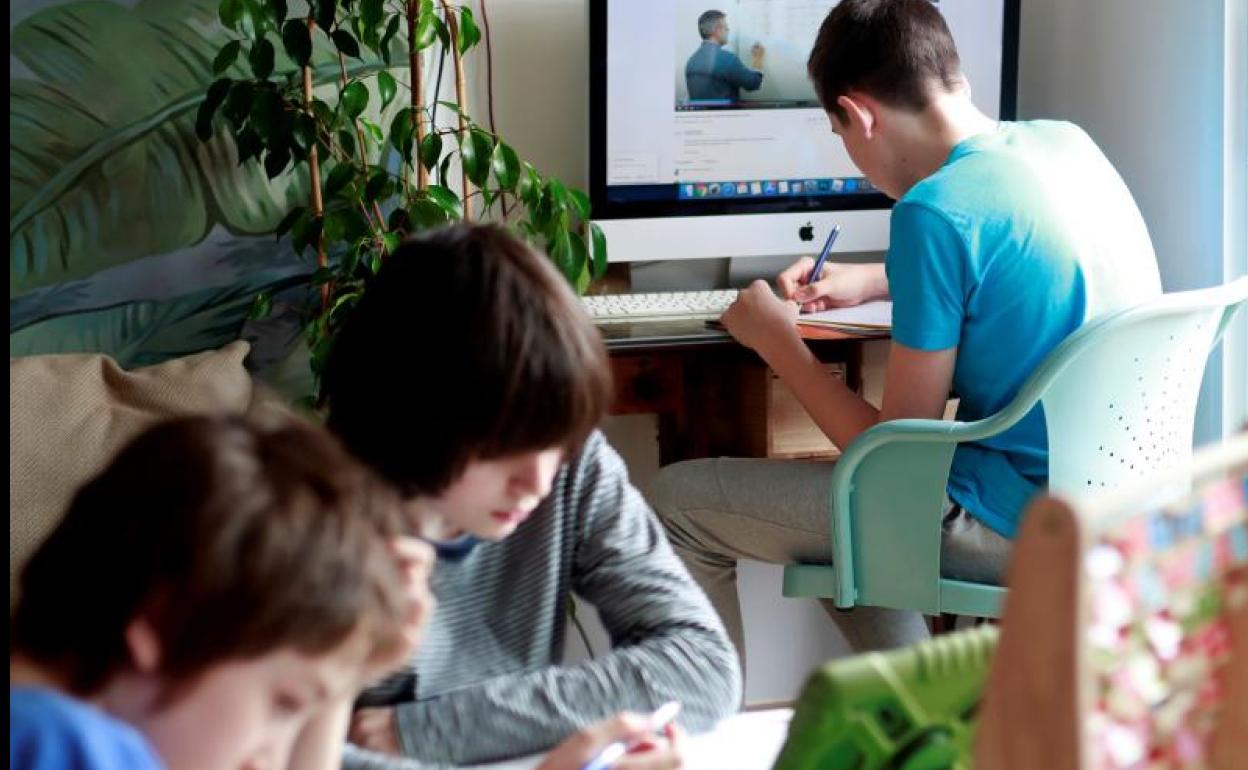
894,50
232,540
468,344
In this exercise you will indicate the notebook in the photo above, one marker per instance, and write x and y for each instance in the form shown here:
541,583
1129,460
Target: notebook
869,316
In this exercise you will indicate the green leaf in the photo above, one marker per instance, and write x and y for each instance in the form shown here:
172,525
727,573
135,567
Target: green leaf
373,129
452,106
277,10
386,87
562,254
426,29
580,256
261,307
443,169
506,166
530,185
431,150
266,113
346,140
475,151
297,41
276,160
325,14
355,99
342,175
238,103
306,232
442,31
231,12
371,12
345,42
289,220
424,213
401,134
580,203
469,34
376,186
391,29
261,59
249,145
390,241
203,119
304,131
226,58
599,240
447,200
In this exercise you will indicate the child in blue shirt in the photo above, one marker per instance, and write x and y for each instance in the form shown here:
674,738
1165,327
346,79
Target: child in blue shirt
1005,238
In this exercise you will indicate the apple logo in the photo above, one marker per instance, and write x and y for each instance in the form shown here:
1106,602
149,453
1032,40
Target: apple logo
806,232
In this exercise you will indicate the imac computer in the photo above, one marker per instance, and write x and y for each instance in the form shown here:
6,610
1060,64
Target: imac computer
686,164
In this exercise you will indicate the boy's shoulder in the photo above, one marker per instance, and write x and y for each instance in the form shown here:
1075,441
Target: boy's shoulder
51,730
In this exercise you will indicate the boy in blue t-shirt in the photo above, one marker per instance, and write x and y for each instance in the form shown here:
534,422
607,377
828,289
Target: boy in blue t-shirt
1005,238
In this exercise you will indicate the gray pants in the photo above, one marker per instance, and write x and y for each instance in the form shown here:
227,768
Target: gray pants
776,511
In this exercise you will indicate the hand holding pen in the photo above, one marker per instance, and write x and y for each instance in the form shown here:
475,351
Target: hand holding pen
624,742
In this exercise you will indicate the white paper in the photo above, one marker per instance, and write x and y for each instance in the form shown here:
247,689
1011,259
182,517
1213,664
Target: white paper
748,741
870,315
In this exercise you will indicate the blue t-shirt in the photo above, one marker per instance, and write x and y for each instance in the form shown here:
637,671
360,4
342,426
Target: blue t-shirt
1022,235
51,731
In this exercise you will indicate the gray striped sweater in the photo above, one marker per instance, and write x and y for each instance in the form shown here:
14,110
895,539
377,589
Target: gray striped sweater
487,682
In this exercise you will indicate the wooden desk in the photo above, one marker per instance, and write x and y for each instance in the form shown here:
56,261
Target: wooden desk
713,397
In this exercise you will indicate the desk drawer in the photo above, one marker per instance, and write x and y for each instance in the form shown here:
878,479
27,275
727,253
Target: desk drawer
790,431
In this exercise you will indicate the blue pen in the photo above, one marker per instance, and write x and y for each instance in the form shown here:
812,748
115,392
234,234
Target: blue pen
823,255
661,717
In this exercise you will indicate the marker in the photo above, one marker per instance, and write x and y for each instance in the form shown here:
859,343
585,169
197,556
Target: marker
660,719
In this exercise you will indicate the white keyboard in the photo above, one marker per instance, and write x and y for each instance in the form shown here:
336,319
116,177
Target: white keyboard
659,306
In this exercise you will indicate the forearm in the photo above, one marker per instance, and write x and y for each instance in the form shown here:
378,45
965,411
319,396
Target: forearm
877,281
839,412
528,713
319,745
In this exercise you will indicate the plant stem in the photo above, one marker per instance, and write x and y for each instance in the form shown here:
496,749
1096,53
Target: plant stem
461,98
418,96
359,138
314,173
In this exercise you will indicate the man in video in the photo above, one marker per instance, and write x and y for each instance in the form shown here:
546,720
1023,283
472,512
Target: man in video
713,74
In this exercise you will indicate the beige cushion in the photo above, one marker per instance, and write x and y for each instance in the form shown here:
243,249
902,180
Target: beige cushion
68,415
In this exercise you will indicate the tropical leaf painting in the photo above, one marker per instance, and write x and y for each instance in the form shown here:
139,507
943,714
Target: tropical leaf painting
124,229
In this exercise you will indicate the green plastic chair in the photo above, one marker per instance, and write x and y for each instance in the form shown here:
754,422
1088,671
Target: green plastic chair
1119,398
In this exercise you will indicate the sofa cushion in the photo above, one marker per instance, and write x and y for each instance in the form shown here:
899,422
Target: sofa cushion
68,415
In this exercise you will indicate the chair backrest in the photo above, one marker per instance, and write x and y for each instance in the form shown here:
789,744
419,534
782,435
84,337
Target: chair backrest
1119,394
1125,636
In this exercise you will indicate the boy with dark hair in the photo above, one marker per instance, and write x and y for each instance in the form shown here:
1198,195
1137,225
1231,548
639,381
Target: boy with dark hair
471,377
205,596
1005,238
239,585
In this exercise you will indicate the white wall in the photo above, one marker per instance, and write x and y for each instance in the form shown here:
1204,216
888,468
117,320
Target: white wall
1146,79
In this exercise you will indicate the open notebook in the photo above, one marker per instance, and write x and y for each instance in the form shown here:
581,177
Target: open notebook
869,316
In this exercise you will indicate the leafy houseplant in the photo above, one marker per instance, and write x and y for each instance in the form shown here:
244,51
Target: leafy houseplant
337,89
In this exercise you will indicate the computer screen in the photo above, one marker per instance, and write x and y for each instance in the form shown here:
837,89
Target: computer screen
707,138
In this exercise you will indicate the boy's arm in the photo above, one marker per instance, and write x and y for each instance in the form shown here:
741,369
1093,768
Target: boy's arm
668,644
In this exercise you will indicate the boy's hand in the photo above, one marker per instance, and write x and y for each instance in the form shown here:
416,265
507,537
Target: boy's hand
375,729
759,318
648,752
838,286
416,559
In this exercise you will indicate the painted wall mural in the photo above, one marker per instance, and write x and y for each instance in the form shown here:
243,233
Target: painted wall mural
127,235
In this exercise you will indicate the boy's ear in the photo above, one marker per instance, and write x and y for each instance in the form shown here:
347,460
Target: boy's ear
861,114
143,645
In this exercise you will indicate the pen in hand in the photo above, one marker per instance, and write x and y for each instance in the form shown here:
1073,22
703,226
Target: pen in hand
660,719
823,257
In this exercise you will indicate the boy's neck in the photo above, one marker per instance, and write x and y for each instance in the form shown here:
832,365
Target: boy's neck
24,671
927,137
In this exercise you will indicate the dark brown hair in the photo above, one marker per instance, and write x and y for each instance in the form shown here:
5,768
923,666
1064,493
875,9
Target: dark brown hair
466,345
893,50
232,540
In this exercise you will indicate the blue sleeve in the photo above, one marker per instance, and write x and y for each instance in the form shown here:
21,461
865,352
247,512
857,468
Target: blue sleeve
729,67
927,268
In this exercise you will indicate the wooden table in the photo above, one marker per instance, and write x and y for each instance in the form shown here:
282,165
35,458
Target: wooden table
713,396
